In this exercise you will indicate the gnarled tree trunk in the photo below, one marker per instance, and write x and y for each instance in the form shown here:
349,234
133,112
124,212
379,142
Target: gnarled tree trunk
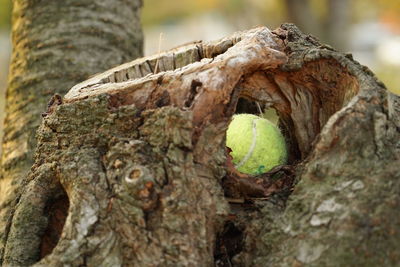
137,156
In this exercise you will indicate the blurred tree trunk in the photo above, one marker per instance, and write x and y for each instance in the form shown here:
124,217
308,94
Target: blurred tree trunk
136,157
333,28
55,45
338,23
300,13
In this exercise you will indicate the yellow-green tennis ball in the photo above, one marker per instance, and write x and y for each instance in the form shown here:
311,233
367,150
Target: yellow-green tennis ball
257,144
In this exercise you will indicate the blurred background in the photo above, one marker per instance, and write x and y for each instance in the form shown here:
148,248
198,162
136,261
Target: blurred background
369,29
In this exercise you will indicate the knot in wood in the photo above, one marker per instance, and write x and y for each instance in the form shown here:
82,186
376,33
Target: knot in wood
135,173
139,181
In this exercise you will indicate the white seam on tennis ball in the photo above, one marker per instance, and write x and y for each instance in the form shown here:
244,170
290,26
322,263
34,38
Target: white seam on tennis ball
252,146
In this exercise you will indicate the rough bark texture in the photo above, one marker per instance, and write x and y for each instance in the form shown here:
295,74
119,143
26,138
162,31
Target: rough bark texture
139,151
56,44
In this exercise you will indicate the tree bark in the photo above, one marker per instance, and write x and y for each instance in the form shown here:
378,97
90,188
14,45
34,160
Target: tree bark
56,44
137,156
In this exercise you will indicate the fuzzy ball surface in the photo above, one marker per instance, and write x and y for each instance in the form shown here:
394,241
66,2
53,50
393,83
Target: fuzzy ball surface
257,144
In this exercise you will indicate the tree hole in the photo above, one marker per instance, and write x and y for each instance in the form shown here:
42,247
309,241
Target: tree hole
56,211
229,243
260,109
264,174
265,111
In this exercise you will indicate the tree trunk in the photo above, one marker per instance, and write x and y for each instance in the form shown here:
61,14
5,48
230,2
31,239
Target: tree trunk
301,14
332,28
56,44
338,21
137,157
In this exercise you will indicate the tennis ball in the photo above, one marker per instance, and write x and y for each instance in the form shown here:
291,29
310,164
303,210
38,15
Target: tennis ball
257,144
